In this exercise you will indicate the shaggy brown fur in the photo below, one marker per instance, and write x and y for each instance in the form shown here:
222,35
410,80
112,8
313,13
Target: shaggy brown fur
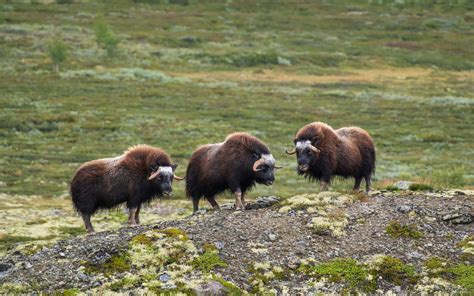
323,153
215,168
106,183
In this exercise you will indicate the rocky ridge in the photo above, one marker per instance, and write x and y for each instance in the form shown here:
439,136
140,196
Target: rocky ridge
325,242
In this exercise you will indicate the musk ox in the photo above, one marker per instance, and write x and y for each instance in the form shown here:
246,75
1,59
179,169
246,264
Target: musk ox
323,152
140,174
235,165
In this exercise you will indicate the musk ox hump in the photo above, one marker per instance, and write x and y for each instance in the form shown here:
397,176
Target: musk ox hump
249,142
141,157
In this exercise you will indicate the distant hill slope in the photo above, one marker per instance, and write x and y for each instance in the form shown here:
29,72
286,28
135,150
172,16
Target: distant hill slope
313,243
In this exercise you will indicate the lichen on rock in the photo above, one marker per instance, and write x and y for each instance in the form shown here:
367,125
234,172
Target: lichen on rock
327,209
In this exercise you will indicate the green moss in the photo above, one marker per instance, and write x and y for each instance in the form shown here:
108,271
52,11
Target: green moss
396,230
8,241
67,292
392,188
434,263
141,239
71,231
208,261
347,270
208,247
122,283
420,187
463,275
115,264
396,271
263,274
158,290
174,232
230,288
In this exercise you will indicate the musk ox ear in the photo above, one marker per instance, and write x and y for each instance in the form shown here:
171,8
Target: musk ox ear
174,166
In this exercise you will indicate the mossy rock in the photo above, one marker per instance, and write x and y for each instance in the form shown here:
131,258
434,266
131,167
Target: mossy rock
397,230
348,270
207,261
118,263
394,270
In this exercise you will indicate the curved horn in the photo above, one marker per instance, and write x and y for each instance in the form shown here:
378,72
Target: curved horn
314,148
290,152
177,178
152,176
278,167
256,164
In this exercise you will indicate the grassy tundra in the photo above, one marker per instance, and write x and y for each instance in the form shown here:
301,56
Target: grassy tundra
177,76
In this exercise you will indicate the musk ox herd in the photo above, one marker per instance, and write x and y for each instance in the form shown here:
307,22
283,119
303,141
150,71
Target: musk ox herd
143,172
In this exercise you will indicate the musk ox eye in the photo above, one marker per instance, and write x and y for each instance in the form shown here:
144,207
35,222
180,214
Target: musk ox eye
153,167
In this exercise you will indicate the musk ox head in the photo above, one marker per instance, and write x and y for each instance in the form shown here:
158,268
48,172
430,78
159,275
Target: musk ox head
306,153
264,168
162,177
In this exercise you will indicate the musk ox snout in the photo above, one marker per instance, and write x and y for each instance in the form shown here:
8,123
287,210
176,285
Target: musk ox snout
306,153
163,178
264,169
302,167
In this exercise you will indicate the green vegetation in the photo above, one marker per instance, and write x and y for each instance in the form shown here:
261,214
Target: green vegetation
396,271
230,288
191,74
67,292
452,177
115,264
141,239
461,274
344,269
363,277
464,275
262,274
57,52
8,241
105,38
209,260
434,263
420,187
392,188
72,231
174,232
397,230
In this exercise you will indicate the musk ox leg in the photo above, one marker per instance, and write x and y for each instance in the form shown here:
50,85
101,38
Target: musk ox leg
323,186
195,204
242,198
238,200
367,183
213,203
131,216
137,215
357,184
87,222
